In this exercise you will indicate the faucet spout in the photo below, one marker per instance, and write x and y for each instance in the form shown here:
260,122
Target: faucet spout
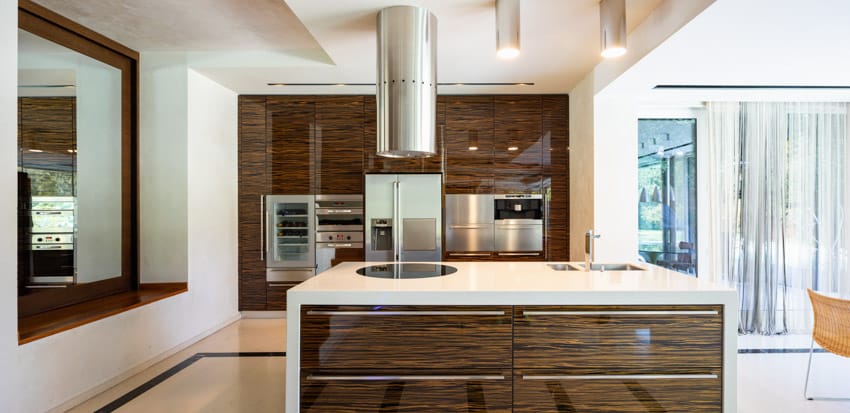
589,238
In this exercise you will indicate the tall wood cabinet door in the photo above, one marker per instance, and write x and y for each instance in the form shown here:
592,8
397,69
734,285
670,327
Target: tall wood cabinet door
372,163
555,118
518,144
48,133
253,184
291,138
469,144
339,145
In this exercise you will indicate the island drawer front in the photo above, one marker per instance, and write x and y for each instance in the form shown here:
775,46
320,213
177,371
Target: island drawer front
406,393
541,393
401,337
636,339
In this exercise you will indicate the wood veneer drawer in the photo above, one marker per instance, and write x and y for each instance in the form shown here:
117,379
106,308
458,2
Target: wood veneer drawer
406,393
402,337
276,294
540,393
627,339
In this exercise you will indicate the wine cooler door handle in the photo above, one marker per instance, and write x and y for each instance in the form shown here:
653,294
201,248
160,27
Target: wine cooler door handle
262,227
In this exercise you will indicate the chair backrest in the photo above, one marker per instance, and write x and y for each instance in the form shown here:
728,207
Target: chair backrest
832,323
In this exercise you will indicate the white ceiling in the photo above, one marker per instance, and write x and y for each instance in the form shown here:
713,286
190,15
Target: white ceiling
244,44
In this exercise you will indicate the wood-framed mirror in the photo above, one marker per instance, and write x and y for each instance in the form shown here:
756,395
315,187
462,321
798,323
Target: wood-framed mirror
77,163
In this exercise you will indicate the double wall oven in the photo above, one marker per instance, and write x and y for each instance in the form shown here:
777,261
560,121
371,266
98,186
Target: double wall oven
505,225
339,229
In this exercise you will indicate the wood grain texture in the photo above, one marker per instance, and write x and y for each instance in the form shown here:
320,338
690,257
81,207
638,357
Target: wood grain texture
382,342
276,295
411,396
616,396
469,124
555,120
253,182
618,344
291,139
339,145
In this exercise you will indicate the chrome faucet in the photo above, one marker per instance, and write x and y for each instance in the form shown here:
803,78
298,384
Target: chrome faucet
589,238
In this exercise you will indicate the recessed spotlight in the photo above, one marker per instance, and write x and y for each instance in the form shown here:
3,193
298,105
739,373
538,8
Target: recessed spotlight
513,148
473,148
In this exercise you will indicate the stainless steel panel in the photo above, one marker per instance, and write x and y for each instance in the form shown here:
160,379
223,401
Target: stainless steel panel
405,378
470,238
333,200
380,204
518,196
420,234
512,238
469,223
395,198
294,275
406,82
620,377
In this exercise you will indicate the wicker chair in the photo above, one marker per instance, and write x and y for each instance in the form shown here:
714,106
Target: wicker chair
831,331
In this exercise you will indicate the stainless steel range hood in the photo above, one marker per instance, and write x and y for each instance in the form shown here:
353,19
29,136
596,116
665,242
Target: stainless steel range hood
407,82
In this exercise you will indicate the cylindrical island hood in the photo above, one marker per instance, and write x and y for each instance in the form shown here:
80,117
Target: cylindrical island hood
407,82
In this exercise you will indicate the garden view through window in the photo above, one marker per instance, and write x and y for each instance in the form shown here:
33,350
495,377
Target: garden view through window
667,209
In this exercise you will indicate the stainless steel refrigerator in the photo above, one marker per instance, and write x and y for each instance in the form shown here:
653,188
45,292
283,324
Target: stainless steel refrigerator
289,226
404,217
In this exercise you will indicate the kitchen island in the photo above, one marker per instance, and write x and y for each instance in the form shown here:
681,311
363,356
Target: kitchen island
511,336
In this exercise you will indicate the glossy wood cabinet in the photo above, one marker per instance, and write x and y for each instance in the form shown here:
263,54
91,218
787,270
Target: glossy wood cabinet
518,146
522,359
618,358
339,126
276,294
406,358
291,123
555,161
253,184
469,144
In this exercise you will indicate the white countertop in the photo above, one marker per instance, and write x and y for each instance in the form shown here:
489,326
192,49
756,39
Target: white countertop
510,283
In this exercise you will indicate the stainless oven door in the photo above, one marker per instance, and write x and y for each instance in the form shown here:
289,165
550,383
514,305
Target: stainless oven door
339,219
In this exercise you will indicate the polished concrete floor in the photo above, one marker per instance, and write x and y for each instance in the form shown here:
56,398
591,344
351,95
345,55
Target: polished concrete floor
212,376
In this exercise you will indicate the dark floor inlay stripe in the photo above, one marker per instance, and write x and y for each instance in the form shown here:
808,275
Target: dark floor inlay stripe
138,391
777,350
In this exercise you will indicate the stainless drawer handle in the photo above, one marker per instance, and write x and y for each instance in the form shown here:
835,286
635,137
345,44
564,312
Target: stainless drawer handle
283,285
519,254
469,254
338,211
317,312
471,226
407,378
621,377
636,312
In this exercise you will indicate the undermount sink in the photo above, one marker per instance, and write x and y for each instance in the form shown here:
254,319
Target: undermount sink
565,267
612,267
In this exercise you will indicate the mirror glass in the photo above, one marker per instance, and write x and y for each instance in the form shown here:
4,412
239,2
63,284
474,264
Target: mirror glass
69,167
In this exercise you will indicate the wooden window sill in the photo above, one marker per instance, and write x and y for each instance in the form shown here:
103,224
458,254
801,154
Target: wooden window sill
45,324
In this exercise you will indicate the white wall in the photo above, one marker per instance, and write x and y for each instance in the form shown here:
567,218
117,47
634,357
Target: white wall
603,140
49,372
98,179
581,165
8,205
163,151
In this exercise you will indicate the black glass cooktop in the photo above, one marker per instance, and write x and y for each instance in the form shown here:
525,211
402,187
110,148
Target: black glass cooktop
406,271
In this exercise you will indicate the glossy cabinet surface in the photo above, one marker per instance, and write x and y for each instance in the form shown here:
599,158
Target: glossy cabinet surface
520,359
339,144
536,392
411,393
409,338
292,137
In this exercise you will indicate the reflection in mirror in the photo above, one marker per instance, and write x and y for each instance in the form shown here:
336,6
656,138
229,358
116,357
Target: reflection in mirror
69,167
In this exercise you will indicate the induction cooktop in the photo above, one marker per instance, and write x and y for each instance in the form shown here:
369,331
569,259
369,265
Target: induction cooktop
406,271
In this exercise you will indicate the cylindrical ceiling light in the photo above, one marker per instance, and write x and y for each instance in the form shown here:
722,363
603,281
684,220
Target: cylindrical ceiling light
407,82
507,28
612,25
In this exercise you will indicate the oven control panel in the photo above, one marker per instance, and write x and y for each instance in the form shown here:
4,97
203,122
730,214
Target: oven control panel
339,237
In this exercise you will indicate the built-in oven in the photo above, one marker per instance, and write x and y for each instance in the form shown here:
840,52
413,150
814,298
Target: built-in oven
339,230
518,224
339,213
52,240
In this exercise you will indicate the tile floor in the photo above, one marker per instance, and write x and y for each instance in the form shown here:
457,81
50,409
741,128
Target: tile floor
222,383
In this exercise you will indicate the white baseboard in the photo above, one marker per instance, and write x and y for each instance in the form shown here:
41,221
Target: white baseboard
94,391
264,314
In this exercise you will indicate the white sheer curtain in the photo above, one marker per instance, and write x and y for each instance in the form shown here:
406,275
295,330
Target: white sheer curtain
777,205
